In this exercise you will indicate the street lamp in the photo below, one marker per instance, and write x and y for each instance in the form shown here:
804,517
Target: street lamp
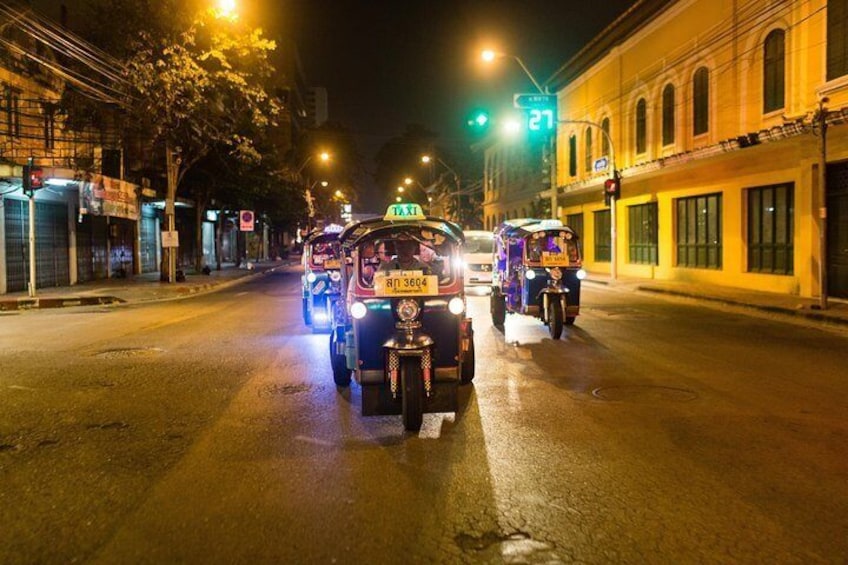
489,55
427,159
226,9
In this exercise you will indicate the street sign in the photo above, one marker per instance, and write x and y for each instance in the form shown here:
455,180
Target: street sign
170,239
246,220
534,101
601,164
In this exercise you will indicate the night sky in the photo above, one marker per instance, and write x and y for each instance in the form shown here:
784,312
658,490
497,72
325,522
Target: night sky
389,64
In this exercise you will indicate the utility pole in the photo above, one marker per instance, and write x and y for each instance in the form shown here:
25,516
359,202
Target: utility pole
821,119
173,161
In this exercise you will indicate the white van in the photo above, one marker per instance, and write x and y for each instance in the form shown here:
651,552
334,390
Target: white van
477,256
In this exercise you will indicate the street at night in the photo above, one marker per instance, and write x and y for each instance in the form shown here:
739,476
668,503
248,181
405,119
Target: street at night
209,430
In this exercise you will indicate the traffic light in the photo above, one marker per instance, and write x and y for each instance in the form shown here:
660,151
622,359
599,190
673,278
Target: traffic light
33,179
612,188
479,121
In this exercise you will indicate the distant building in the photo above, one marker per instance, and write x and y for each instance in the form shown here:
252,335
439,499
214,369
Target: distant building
316,106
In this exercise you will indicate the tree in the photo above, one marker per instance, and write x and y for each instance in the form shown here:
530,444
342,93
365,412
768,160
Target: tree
401,156
193,84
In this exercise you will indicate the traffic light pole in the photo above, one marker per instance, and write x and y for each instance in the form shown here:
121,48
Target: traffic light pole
31,285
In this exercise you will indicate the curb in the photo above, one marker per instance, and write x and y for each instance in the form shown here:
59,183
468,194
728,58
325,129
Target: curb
54,302
799,313
38,303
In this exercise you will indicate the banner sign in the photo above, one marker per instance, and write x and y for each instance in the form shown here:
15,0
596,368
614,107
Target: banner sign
106,196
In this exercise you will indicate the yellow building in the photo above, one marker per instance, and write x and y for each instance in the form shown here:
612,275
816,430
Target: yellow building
714,110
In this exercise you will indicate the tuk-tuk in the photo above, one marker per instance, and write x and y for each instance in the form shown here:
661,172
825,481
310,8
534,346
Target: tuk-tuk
537,271
322,266
405,335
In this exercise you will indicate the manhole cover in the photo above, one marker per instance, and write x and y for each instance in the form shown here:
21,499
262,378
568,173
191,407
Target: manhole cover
644,393
130,352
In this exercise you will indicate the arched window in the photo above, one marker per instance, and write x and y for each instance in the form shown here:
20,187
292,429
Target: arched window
588,157
774,65
668,115
572,156
701,101
641,126
605,146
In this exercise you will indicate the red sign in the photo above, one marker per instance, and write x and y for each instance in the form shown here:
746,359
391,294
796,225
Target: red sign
246,220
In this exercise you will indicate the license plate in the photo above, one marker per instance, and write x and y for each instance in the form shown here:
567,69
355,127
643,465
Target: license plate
405,283
332,264
555,259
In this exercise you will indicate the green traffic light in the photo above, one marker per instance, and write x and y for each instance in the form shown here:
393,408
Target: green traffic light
479,120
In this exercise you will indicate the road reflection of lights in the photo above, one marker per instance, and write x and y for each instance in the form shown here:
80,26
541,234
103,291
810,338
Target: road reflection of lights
478,290
431,427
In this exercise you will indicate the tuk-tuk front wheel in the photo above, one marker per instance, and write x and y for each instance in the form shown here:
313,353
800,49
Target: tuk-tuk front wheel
497,307
555,317
413,393
467,373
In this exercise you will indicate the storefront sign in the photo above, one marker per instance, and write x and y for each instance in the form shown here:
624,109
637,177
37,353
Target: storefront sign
105,196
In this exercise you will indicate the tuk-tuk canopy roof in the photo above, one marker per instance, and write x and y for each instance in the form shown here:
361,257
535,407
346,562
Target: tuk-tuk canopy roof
523,227
354,232
319,235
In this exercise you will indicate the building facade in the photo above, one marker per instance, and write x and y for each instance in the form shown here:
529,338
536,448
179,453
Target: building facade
726,122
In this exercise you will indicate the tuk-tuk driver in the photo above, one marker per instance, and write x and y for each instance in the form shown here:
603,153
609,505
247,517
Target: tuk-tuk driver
405,260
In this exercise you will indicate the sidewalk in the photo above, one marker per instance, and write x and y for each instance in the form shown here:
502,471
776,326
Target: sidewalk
794,306
139,288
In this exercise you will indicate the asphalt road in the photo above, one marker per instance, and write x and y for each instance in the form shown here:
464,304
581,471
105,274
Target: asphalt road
209,430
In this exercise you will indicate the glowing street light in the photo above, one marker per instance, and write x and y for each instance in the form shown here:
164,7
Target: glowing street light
226,9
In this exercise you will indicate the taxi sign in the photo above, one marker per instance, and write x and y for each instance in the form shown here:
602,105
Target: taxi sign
404,211
555,259
405,283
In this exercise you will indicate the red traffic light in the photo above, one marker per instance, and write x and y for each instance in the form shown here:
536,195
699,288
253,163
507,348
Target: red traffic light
36,178
610,186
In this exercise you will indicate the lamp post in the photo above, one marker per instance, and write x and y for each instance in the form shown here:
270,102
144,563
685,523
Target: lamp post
426,159
488,56
325,158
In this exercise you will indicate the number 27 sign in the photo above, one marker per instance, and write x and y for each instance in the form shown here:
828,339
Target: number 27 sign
541,120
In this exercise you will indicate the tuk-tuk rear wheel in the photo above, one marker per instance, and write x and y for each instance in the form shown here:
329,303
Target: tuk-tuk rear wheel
307,315
413,393
341,374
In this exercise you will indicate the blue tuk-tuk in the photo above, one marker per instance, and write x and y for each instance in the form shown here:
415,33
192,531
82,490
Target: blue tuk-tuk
322,266
537,271
405,336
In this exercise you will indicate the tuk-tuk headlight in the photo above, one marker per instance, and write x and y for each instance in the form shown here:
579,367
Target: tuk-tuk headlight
456,305
358,310
408,310
335,276
581,274
310,278
530,274
556,273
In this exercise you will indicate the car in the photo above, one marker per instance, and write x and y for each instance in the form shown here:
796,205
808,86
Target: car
477,257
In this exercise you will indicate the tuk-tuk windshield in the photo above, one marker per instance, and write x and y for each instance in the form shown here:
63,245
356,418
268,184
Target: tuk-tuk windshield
552,248
325,255
419,251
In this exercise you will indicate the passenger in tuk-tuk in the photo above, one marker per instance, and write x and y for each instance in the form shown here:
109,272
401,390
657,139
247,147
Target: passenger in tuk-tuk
405,259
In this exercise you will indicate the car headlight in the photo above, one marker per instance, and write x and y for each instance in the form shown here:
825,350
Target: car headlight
310,278
408,310
335,276
358,310
581,274
530,274
456,305
556,273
